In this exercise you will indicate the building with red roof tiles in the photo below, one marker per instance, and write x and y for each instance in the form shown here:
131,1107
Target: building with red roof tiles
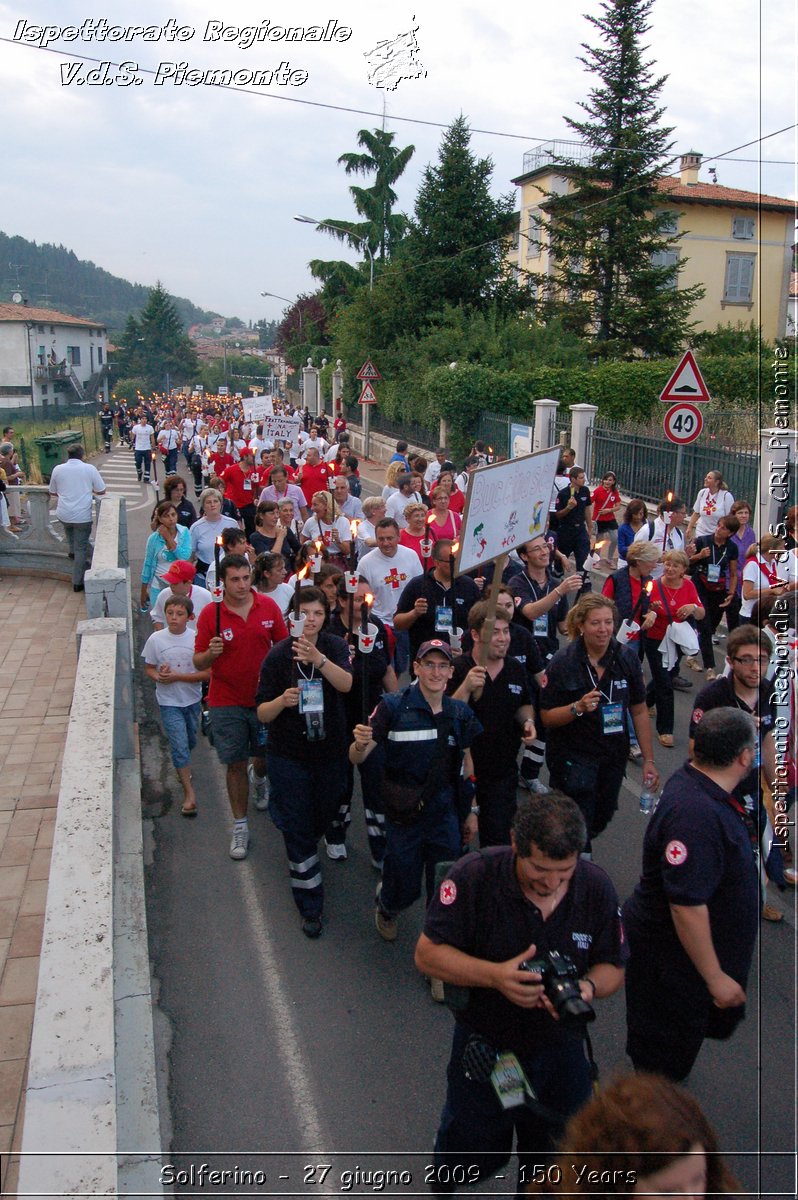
737,244
50,358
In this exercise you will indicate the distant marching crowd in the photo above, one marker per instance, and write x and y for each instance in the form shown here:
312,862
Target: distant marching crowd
315,634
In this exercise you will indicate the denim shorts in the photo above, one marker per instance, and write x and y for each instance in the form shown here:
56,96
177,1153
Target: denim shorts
237,733
180,727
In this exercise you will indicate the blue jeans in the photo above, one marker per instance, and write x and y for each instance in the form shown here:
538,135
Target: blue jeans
304,798
180,727
476,1133
412,852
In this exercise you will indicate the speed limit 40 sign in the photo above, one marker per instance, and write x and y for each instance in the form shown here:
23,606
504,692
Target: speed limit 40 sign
683,423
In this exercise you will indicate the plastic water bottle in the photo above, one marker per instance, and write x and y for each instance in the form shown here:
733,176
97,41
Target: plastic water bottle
648,800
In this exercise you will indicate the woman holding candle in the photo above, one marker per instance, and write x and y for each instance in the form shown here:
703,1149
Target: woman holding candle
372,676
169,541
207,529
329,527
443,522
300,696
415,532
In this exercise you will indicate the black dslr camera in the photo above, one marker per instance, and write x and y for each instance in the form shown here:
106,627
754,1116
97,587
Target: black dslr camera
560,980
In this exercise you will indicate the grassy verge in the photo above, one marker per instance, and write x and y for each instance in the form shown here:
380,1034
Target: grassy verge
25,433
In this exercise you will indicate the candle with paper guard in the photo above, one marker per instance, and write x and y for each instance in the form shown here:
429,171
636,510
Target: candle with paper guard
354,525
217,590
426,544
366,604
455,546
300,575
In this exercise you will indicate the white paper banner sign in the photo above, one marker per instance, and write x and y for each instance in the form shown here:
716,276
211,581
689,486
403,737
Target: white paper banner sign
258,407
284,429
507,505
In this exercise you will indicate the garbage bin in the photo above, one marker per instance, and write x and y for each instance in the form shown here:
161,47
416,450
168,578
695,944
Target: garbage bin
52,448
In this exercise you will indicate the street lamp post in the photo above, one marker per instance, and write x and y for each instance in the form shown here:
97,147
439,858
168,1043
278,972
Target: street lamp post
364,242
293,302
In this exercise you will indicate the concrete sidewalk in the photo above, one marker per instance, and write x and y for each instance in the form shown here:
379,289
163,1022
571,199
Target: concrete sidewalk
38,659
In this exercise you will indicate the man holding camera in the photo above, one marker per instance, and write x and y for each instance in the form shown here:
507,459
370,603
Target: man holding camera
534,933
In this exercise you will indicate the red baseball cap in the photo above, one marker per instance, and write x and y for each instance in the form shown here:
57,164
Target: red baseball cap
180,572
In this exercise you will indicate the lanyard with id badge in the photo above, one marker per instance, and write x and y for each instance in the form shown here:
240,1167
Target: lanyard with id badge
612,719
311,707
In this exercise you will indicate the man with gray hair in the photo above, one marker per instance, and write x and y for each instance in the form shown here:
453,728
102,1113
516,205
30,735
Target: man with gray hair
693,918
75,483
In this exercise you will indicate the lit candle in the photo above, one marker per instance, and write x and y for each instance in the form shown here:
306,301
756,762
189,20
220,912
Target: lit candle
368,600
426,544
353,528
300,575
666,520
455,546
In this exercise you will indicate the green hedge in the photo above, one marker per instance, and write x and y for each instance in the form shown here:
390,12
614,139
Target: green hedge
622,390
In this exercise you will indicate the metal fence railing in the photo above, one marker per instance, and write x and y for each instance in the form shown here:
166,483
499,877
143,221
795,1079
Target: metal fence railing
645,464
494,431
423,436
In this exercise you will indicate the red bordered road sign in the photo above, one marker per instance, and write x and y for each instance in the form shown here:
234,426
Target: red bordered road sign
683,424
368,395
686,383
368,371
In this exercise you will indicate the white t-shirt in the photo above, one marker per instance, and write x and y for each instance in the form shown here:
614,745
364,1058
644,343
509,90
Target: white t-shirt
169,439
282,596
432,472
387,577
188,429
671,538
199,597
711,509
142,436
331,534
73,483
177,650
787,567
754,573
398,503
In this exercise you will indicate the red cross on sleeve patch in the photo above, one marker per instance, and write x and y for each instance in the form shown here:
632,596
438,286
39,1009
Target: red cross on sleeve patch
675,853
448,892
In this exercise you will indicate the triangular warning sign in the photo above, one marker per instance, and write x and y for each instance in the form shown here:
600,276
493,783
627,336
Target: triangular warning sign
368,371
686,383
368,395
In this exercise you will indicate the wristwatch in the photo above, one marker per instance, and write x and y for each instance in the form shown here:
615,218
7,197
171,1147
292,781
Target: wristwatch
575,711
475,809
323,662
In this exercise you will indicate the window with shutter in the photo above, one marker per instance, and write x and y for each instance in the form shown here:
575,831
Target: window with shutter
743,228
739,283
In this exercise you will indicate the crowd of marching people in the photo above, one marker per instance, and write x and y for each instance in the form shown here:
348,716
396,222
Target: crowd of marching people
318,634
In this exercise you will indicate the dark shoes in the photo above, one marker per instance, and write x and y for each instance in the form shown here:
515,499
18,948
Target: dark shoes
78,587
681,685
311,927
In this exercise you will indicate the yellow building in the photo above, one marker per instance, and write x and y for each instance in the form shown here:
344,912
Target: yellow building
738,244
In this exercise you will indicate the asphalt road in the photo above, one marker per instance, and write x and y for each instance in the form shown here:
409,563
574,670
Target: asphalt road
318,1063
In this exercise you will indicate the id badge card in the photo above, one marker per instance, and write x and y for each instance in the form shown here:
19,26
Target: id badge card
444,619
509,1081
247,485
612,718
540,626
713,573
311,696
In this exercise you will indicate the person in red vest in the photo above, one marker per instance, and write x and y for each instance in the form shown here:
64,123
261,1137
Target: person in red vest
243,487
313,474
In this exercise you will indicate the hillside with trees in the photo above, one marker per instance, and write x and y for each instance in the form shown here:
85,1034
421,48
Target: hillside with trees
54,277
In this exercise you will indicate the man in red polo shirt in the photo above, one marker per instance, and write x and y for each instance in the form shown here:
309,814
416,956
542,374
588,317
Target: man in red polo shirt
313,474
244,484
250,624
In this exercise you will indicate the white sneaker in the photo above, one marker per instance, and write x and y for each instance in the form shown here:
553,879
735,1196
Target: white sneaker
240,842
436,990
260,788
335,849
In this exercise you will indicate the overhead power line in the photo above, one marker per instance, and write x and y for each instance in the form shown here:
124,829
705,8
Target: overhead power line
364,112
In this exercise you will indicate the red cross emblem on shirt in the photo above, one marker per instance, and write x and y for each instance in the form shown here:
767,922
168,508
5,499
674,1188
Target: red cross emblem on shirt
675,853
393,578
448,892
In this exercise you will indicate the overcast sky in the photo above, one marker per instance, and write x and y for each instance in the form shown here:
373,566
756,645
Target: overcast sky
197,186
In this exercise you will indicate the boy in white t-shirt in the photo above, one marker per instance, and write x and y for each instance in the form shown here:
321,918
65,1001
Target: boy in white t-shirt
168,655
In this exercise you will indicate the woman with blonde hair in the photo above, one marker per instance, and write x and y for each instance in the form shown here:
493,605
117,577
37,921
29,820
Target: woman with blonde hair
328,526
392,473
592,686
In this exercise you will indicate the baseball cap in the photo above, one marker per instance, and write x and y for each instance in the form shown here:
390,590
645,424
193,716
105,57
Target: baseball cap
180,572
434,644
